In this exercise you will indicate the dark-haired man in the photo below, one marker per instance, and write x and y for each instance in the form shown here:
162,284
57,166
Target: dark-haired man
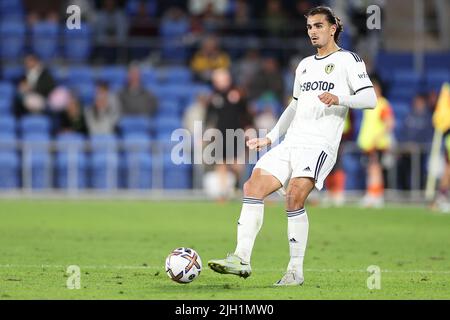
326,85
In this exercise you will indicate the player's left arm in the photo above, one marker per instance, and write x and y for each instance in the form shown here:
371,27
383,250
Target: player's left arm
364,96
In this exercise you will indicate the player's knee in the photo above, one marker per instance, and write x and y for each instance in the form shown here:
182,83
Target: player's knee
294,198
252,189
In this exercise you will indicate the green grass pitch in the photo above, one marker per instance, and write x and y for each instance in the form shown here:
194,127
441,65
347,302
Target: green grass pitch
121,246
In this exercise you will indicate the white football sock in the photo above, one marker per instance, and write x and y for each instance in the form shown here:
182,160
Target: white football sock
249,224
298,236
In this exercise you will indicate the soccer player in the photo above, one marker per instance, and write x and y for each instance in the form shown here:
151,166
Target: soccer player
325,86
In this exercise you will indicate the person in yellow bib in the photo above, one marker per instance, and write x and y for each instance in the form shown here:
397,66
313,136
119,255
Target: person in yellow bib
375,138
441,202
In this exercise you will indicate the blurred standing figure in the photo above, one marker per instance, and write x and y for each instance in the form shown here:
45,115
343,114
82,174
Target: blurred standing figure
375,138
111,28
102,117
136,100
34,88
227,110
442,202
418,131
269,79
208,58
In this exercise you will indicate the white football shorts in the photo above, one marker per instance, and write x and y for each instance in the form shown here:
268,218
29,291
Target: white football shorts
286,162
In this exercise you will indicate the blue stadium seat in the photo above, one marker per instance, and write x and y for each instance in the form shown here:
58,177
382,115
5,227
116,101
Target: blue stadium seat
169,108
13,72
12,39
37,162
104,162
164,126
8,125
172,33
10,8
171,91
136,163
6,98
148,76
9,170
77,74
437,60
78,43
406,77
175,74
44,36
355,172
9,162
35,124
435,78
134,124
176,176
71,162
115,76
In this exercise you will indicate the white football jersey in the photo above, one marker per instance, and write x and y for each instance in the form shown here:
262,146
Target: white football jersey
315,124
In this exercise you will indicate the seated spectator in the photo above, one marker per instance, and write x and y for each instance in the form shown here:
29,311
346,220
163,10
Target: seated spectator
269,79
102,117
136,100
111,29
34,88
208,58
72,118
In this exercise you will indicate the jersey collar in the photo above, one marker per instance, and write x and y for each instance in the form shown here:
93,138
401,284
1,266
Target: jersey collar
321,58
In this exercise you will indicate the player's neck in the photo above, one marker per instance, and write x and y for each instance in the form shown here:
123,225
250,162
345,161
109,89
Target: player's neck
330,48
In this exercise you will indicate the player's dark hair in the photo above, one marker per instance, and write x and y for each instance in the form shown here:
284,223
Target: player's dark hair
331,18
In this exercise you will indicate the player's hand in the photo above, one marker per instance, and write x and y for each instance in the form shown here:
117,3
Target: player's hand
258,143
329,99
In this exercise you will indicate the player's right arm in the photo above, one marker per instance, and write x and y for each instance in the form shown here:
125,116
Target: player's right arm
283,123
279,130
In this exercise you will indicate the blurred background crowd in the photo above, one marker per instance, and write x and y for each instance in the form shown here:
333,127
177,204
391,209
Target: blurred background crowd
95,107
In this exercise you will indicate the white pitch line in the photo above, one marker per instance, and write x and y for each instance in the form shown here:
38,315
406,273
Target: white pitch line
53,266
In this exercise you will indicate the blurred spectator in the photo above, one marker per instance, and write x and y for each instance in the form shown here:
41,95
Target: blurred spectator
198,7
42,10
102,117
196,112
208,58
134,99
34,88
142,23
242,21
246,69
111,28
72,118
418,129
164,5
174,30
375,139
418,124
299,20
87,9
269,79
265,112
275,19
227,109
